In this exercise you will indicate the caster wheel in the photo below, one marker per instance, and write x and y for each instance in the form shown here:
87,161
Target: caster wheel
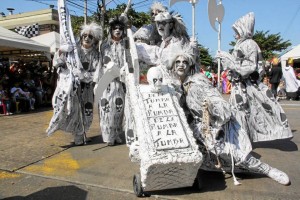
198,184
137,185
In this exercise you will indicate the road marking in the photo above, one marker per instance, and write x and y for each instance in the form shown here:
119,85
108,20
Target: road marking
7,175
63,165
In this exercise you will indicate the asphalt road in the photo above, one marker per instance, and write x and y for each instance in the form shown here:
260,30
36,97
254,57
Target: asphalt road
34,166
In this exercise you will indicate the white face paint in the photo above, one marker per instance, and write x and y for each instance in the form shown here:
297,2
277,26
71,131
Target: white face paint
87,40
164,28
155,79
182,67
117,32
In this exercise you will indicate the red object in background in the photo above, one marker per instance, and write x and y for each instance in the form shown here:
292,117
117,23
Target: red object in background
143,79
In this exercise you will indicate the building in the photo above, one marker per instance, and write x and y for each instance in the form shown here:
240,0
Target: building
48,22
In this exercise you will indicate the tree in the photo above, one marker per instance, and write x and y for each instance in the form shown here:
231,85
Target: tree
137,19
269,43
205,57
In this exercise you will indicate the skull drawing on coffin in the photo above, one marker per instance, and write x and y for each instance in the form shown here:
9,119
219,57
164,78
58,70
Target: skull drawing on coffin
155,79
119,104
88,109
105,105
284,120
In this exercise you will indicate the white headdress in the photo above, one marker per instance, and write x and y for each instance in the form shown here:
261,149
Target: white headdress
92,28
158,6
180,50
179,28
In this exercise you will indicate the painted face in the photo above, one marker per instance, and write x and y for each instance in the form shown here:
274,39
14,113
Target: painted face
154,13
87,40
182,67
117,32
164,28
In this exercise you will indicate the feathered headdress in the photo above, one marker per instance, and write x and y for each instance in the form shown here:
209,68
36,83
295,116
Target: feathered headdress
158,6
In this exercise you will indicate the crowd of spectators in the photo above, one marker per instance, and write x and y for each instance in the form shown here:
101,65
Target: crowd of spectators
25,86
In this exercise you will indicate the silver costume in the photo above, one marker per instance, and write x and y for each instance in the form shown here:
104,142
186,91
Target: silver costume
258,111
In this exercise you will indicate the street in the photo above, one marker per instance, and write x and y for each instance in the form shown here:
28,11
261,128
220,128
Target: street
34,166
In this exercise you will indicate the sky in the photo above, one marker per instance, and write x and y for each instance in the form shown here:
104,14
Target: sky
275,16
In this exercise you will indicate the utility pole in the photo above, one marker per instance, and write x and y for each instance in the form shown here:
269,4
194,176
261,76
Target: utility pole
85,11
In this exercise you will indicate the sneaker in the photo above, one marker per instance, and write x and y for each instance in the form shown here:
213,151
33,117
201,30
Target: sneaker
279,176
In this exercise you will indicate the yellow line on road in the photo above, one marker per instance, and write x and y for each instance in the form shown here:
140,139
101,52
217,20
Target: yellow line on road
61,165
7,175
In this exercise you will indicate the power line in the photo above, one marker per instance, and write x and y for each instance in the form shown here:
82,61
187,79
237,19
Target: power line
292,20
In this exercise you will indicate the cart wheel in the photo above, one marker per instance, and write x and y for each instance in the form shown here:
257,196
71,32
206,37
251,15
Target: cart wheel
137,185
198,184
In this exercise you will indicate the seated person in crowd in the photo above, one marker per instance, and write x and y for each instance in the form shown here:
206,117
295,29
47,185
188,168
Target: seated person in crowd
24,97
5,101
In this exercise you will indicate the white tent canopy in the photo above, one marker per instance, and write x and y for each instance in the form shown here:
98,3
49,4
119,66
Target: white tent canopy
294,53
10,40
51,39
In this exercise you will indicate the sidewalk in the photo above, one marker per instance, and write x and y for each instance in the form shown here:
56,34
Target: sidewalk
34,166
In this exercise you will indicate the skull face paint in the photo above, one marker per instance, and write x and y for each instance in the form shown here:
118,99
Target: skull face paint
87,40
182,67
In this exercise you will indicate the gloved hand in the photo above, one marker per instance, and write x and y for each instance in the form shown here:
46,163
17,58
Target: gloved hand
65,48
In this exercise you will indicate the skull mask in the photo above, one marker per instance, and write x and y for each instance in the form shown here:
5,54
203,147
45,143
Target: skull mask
119,104
105,105
155,79
88,109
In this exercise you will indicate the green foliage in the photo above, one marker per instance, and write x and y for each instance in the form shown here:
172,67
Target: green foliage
205,57
268,43
137,19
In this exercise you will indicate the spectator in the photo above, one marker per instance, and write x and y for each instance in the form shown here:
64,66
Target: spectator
291,82
275,75
281,93
5,101
24,97
33,88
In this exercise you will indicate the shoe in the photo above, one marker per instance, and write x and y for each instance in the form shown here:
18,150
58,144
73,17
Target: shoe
119,140
110,144
79,140
279,176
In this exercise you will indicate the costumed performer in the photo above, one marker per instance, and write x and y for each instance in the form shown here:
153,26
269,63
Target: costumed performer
111,104
73,97
217,131
258,110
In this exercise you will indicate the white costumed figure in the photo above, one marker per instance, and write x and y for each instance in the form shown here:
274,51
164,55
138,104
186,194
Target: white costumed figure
292,84
173,32
148,33
222,140
111,104
258,111
73,97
